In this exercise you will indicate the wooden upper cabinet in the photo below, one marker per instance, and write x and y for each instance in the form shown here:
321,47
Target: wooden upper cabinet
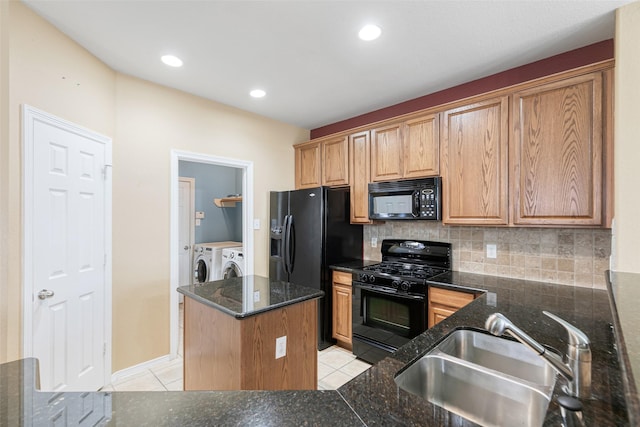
359,171
474,162
335,161
420,156
557,153
307,165
386,153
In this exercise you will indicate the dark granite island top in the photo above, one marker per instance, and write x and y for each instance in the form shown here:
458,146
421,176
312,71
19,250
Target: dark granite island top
249,295
373,398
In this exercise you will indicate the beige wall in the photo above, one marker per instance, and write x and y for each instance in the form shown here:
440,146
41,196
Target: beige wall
626,235
151,121
4,146
50,72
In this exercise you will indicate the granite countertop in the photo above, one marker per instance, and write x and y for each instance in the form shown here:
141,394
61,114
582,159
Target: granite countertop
373,398
625,288
249,295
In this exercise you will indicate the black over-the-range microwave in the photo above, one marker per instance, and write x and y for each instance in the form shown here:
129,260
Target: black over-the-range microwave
412,199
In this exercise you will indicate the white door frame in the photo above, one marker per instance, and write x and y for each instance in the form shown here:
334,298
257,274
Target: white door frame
29,116
192,227
247,222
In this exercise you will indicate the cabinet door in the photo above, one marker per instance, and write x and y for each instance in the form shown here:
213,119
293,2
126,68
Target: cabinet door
444,302
421,143
386,153
335,162
308,166
359,170
342,307
474,163
557,153
437,314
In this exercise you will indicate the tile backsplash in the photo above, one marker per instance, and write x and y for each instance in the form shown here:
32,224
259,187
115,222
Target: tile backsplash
576,257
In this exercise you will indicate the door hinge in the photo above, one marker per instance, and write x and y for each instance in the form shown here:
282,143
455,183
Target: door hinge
104,263
104,349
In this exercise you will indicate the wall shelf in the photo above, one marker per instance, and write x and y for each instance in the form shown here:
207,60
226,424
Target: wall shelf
227,202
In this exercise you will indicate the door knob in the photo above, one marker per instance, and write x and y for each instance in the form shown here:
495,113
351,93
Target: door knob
186,247
45,293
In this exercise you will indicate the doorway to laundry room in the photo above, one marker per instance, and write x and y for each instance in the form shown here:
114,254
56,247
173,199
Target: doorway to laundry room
211,207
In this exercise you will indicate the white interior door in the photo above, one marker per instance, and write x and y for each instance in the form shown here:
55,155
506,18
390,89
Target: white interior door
186,214
67,231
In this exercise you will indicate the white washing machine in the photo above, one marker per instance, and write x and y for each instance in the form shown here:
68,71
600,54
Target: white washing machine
232,262
207,260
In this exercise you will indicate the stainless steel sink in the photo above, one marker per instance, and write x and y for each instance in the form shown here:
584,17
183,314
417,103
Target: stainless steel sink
488,380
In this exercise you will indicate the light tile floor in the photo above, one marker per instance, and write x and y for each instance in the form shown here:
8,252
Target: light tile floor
336,366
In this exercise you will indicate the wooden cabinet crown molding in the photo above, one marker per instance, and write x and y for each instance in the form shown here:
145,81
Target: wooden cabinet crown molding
506,90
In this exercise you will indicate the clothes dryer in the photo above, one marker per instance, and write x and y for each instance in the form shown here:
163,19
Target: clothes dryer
207,261
232,262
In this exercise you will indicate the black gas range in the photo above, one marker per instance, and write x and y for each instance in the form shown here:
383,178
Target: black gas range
390,298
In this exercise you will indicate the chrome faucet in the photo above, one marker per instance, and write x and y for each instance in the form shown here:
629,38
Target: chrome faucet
577,367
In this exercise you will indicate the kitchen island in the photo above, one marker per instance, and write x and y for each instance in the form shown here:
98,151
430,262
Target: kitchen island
373,398
250,333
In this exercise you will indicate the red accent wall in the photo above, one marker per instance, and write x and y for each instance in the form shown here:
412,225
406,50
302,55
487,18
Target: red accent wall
596,52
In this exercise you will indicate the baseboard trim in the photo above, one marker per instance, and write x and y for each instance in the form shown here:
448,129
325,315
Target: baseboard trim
141,367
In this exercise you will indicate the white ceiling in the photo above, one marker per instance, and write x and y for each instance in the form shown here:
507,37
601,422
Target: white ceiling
307,56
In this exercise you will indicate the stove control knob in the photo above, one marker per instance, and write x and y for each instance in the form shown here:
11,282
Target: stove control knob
362,277
405,286
372,278
395,284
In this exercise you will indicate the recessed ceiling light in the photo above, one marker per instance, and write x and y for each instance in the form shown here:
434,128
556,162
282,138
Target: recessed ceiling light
172,61
257,93
370,32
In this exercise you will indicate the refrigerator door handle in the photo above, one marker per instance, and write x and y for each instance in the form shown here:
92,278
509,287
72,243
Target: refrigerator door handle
292,243
285,245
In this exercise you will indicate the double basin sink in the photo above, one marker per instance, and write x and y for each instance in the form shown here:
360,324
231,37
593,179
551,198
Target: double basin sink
489,380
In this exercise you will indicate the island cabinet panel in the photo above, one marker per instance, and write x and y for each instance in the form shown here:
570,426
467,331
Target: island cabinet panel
335,161
386,153
420,155
444,302
212,356
474,163
308,165
557,153
225,353
360,175
342,321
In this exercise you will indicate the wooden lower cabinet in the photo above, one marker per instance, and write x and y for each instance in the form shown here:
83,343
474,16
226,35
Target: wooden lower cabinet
341,306
444,302
222,352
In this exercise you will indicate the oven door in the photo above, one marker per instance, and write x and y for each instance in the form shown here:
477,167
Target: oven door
384,322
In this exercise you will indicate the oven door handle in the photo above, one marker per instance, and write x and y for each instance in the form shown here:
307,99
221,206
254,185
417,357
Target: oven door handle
372,289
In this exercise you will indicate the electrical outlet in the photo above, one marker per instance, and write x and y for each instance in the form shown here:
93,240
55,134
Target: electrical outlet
492,251
374,242
281,347
256,223
256,296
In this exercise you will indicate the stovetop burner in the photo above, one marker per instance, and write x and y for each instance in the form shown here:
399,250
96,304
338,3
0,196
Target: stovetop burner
404,269
406,266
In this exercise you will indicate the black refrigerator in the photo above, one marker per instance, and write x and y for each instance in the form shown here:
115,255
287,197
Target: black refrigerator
310,230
